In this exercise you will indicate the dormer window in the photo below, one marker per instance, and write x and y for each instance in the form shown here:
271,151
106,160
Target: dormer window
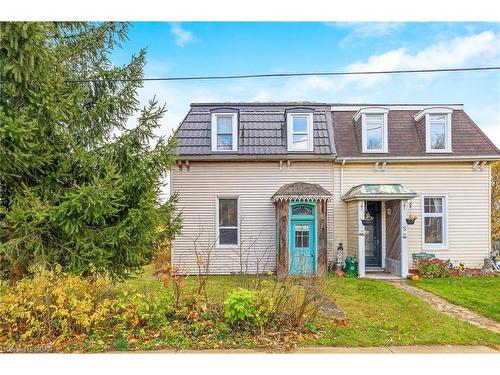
437,128
224,132
300,131
374,132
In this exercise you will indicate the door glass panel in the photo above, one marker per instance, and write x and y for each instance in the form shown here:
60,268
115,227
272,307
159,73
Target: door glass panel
302,235
305,236
302,210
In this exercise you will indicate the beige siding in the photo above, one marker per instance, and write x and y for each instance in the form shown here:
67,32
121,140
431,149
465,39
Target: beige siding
254,183
352,243
468,204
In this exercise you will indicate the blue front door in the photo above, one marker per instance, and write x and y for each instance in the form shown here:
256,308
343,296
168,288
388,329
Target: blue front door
302,252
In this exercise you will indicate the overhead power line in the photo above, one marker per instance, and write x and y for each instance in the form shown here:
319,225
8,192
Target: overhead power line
273,75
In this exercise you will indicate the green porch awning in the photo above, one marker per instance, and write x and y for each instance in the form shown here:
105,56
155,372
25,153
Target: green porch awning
378,192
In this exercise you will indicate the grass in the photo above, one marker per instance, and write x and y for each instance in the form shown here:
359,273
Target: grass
217,288
378,314
480,294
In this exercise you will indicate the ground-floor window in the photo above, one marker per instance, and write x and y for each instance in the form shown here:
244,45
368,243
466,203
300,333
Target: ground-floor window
227,219
434,221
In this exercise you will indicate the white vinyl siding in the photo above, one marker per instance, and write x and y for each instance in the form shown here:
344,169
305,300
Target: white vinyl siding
467,202
254,183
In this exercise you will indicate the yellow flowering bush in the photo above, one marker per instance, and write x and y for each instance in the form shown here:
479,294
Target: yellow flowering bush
55,303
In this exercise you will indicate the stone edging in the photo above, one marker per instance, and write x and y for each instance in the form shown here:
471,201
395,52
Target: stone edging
449,308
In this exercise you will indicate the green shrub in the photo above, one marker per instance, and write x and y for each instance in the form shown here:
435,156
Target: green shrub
154,312
433,268
248,308
146,311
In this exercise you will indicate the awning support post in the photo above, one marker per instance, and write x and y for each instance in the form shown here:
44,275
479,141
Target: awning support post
404,238
361,239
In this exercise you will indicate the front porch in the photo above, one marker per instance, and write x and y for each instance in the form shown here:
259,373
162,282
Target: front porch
301,229
377,229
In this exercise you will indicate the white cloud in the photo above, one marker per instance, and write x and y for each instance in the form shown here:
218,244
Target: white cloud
365,30
262,96
488,117
181,35
477,49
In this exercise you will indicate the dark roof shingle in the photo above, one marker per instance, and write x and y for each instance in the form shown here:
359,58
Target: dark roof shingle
262,129
407,138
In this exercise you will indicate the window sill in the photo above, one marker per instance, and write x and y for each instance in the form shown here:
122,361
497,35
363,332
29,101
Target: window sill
434,247
439,152
227,246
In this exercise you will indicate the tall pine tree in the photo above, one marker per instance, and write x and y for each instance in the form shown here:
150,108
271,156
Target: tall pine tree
79,187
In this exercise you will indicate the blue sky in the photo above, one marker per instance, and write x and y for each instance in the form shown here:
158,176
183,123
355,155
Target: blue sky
211,48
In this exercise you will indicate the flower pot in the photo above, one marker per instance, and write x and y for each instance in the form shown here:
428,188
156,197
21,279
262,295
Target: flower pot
367,221
410,221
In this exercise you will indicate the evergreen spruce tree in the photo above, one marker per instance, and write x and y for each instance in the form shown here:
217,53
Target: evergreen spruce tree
79,187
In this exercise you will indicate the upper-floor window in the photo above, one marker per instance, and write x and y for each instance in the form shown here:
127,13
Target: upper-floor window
374,132
437,128
438,133
224,132
300,131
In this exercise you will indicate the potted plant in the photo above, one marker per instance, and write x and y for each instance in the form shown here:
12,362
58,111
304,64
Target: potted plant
410,220
369,219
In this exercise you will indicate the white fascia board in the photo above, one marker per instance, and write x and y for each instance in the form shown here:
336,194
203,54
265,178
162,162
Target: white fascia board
433,110
397,107
370,159
373,110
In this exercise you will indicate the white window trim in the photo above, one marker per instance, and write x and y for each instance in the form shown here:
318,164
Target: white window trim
234,131
385,132
232,246
444,245
310,131
428,148
434,111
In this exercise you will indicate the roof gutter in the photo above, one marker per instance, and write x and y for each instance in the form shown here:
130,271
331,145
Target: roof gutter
378,197
417,159
324,157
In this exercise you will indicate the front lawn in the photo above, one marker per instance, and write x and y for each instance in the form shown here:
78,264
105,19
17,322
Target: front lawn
380,314
480,294
377,314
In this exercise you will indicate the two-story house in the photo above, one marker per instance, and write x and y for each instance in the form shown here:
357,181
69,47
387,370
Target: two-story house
277,186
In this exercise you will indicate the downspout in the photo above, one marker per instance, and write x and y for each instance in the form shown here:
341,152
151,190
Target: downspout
342,178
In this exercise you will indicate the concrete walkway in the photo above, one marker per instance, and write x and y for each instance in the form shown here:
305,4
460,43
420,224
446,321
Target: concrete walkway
416,349
449,308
